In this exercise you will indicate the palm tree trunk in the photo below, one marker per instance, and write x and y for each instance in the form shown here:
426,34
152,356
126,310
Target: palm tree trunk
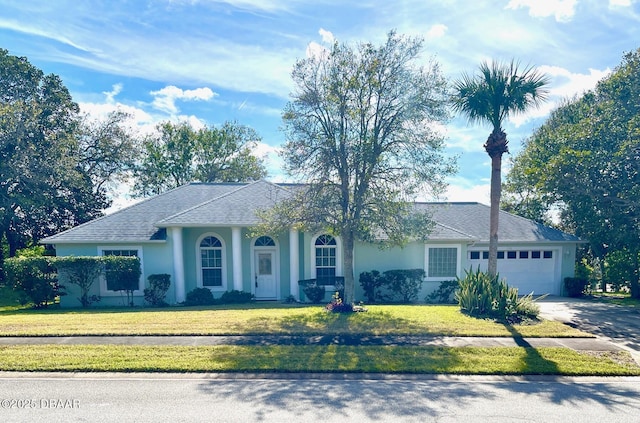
496,191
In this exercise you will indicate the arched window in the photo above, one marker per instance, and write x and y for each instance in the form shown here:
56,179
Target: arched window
265,241
325,255
211,262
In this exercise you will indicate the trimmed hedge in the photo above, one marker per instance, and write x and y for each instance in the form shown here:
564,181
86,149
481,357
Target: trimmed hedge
36,278
395,286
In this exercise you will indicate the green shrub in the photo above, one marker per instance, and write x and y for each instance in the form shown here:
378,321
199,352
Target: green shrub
370,283
122,273
482,295
314,293
619,269
236,297
527,307
575,287
445,294
396,286
403,285
158,287
35,279
82,272
199,296
476,293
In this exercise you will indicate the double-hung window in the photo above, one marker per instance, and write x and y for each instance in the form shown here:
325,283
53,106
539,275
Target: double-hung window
325,251
211,262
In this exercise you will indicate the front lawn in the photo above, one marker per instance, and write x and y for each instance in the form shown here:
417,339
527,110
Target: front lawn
279,319
427,320
313,359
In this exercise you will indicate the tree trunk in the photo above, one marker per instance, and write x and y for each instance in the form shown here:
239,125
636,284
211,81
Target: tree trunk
348,243
635,280
496,188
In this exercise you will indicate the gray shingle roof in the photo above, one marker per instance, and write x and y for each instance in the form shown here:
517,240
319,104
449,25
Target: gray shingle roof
472,220
235,208
229,204
137,223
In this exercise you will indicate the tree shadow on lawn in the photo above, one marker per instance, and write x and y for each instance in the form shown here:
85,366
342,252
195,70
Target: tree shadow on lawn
327,323
406,399
532,358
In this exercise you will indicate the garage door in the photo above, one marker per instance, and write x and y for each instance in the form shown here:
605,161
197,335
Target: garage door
528,270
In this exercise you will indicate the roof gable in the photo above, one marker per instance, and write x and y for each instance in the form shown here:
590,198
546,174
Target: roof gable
234,208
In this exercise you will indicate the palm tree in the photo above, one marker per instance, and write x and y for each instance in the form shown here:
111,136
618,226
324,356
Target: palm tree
496,92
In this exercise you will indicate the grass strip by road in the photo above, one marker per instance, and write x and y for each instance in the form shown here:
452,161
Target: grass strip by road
276,319
322,359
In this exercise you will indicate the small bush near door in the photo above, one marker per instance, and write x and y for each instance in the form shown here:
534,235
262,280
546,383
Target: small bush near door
158,287
236,297
315,293
199,297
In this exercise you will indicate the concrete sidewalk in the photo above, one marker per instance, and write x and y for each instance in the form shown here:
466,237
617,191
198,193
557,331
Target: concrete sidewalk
578,344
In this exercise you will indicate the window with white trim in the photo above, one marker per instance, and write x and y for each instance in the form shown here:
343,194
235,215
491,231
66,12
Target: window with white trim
106,282
325,256
211,263
442,262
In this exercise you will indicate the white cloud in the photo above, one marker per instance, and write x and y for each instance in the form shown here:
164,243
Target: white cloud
466,137
563,10
620,3
479,193
51,33
165,99
437,31
140,121
568,84
327,36
565,85
116,89
272,161
316,50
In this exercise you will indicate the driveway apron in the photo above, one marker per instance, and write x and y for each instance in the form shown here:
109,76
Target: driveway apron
612,322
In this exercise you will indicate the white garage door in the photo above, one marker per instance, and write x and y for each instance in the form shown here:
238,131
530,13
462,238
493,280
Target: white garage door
529,270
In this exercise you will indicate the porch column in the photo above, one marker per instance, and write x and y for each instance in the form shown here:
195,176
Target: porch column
178,263
294,263
236,252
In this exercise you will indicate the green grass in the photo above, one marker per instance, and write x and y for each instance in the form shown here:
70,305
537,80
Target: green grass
322,359
619,299
429,320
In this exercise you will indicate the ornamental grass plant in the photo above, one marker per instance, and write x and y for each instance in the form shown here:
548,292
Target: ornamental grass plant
482,295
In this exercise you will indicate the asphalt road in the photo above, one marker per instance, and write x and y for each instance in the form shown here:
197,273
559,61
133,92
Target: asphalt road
195,398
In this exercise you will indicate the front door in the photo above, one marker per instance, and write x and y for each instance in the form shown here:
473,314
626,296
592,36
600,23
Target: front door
265,275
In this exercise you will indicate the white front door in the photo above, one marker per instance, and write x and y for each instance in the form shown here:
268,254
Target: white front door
265,275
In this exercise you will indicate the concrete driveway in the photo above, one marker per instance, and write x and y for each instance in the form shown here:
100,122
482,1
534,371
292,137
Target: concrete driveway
617,324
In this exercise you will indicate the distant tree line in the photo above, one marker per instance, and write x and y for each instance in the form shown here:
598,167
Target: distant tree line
583,164
59,167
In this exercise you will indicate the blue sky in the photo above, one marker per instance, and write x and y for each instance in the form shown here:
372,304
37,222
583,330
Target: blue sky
208,61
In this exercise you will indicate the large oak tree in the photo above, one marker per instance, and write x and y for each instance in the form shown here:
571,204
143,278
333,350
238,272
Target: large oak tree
363,133
53,165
